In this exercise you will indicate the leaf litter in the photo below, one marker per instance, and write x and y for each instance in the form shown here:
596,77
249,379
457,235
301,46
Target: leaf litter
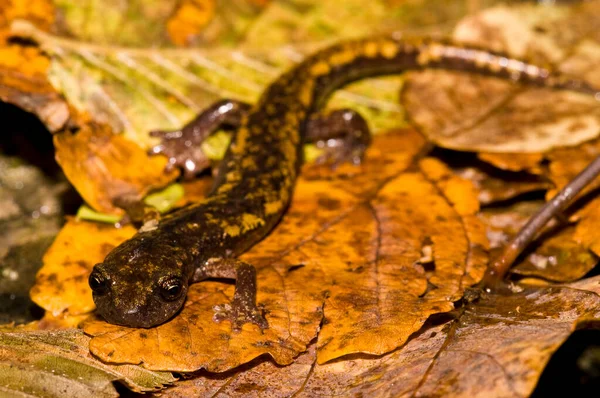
443,253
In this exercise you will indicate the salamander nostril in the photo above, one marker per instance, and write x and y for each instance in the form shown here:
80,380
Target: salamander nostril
98,283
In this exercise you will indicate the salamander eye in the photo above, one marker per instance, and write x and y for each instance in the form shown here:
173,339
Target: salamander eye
98,283
171,289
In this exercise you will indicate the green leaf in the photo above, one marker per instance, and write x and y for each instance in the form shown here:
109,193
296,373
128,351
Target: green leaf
87,213
58,364
164,200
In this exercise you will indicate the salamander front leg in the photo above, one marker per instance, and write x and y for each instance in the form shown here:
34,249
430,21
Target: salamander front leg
182,147
343,133
243,308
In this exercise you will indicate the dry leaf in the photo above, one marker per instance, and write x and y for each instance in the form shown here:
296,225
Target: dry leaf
495,186
556,255
495,346
341,232
586,231
529,162
62,283
58,364
566,163
23,83
473,113
105,167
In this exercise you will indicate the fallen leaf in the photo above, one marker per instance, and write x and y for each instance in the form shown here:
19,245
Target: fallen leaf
455,189
559,257
23,83
586,229
474,113
494,186
93,160
308,257
62,283
529,162
494,346
566,163
39,12
123,74
23,69
57,364
494,183
497,347
556,255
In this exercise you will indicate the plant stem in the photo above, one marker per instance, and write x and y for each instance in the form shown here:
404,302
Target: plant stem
498,269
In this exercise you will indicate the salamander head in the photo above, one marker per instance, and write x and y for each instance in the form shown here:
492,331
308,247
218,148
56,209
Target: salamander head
139,284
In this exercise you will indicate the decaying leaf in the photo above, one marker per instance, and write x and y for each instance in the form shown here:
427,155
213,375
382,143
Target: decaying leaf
58,364
105,167
339,233
29,89
502,117
23,69
529,162
586,232
368,260
485,114
143,87
496,345
558,254
566,163
495,186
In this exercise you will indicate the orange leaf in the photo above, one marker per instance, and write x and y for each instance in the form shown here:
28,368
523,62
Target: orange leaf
104,167
342,231
62,282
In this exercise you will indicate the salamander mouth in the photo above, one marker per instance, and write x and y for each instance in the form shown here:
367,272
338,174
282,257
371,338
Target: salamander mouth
146,316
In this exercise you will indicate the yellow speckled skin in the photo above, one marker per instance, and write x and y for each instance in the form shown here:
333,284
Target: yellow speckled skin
256,178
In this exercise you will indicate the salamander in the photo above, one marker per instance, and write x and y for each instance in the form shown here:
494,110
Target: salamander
143,282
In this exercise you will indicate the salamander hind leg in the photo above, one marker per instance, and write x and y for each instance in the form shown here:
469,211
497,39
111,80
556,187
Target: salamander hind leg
243,308
182,147
344,134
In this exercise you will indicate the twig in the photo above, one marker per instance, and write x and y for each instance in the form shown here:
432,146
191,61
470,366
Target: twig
498,269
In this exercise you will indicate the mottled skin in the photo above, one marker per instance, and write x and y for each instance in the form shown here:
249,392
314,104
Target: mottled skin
143,282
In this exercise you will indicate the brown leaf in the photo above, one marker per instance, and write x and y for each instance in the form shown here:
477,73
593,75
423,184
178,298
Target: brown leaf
455,189
258,378
496,346
556,255
23,69
473,113
529,162
496,186
39,12
586,231
193,340
566,163
560,256
341,232
494,183
23,83
104,167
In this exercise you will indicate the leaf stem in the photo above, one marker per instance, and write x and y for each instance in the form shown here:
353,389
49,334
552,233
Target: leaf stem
498,269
